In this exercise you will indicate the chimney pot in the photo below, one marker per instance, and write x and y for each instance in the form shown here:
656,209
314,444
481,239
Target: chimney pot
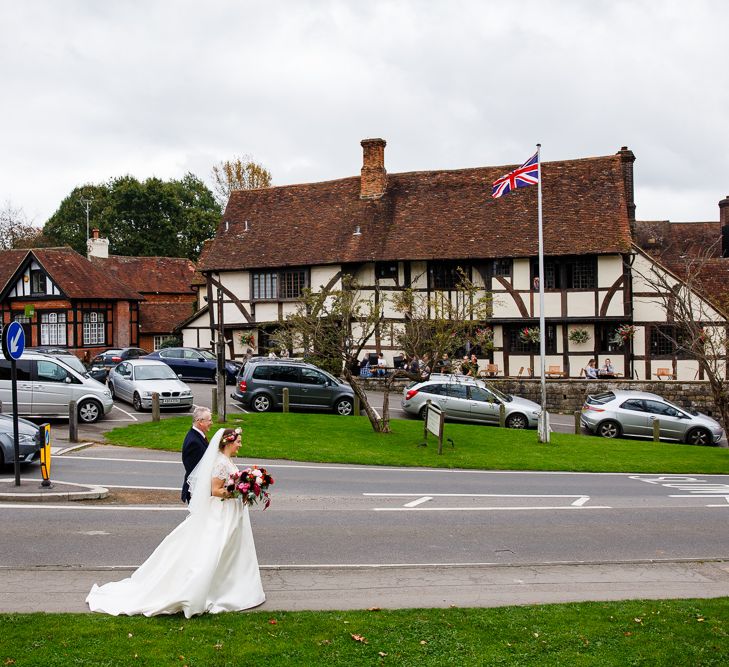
95,233
373,183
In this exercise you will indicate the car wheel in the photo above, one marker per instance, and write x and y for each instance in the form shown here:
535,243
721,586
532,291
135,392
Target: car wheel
137,402
699,436
344,407
516,421
89,411
608,429
261,403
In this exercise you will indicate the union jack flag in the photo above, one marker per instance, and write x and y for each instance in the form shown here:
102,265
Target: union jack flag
527,174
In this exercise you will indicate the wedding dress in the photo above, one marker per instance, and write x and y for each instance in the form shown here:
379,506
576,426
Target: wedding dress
207,564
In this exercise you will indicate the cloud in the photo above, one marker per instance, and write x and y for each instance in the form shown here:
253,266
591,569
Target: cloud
97,90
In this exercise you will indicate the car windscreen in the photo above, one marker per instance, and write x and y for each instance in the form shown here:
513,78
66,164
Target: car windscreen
598,399
208,355
499,394
156,372
74,362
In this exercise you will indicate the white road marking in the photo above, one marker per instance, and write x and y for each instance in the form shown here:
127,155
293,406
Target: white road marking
487,509
580,501
129,414
93,532
480,495
141,488
108,508
419,501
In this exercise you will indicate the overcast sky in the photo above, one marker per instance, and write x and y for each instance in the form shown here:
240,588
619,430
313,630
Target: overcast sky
97,89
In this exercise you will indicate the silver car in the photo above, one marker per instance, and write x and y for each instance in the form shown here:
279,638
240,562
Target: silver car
623,412
135,380
470,400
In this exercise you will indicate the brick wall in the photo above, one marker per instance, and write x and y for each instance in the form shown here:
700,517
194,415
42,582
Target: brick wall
566,396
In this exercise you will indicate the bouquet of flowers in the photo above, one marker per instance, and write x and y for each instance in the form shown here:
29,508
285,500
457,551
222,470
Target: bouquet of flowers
250,485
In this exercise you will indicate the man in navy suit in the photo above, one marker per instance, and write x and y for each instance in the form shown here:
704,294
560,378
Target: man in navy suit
194,446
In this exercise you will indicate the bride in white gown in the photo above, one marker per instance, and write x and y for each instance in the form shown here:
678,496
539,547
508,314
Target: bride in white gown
207,564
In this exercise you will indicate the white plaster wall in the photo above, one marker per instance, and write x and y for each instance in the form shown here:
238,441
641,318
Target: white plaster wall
321,275
616,307
505,306
419,274
609,269
581,348
648,309
238,282
581,304
266,312
520,274
552,304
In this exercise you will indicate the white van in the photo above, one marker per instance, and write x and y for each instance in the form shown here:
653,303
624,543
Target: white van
46,385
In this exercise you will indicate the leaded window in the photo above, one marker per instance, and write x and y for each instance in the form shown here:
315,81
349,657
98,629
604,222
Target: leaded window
94,329
446,275
53,329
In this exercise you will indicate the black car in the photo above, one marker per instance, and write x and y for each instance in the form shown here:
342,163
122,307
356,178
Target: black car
195,364
102,363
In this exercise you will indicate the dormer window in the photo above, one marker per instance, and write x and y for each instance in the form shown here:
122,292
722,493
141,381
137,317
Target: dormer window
37,282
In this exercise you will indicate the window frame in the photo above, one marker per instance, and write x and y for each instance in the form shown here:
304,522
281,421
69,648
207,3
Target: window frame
518,346
444,276
45,328
35,276
282,285
386,270
93,321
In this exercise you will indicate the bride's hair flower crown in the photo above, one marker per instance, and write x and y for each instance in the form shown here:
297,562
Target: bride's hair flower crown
231,434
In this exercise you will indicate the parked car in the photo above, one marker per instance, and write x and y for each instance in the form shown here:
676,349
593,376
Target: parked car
195,365
46,385
28,440
615,413
469,399
102,363
135,381
64,355
260,387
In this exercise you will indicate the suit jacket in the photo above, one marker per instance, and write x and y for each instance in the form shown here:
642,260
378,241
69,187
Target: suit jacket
193,449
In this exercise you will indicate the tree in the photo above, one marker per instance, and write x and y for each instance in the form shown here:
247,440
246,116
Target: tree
15,229
140,218
696,328
240,173
332,327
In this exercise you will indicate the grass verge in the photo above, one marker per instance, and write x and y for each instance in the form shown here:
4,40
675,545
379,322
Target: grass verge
334,439
655,633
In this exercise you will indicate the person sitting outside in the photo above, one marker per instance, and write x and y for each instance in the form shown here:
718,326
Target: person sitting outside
414,366
607,368
381,365
591,370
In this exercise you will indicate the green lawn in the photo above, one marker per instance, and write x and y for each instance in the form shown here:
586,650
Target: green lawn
335,439
667,633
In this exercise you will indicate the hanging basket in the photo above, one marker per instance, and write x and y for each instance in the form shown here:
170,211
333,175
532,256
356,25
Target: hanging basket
579,336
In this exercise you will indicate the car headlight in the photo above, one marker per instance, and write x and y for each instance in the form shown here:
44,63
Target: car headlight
186,393
147,394
535,413
107,393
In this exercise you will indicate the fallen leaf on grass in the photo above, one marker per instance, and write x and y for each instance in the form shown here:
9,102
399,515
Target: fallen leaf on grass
9,661
325,641
423,642
382,654
700,620
374,609
218,646
130,635
628,634
273,621
359,638
638,620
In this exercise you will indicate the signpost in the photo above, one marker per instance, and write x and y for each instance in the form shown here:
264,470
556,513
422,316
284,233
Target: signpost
13,345
434,419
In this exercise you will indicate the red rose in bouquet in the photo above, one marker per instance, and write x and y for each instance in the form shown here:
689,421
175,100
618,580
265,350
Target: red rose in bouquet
251,486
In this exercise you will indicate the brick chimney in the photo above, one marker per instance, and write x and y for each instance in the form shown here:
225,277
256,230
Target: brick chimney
724,222
374,176
627,158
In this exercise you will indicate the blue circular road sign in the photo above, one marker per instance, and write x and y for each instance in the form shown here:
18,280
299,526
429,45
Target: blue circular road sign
13,341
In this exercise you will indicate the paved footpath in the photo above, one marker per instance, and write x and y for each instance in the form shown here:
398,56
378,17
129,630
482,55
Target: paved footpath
297,588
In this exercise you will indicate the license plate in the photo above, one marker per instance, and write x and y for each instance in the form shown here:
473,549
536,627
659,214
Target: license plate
168,401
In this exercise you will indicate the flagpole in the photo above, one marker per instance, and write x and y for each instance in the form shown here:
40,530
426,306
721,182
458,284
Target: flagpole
543,430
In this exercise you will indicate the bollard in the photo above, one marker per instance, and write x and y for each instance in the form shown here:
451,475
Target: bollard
155,406
214,402
285,399
73,421
656,430
357,406
578,425
502,415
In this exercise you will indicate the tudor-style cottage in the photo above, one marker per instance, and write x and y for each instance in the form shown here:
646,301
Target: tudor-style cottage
415,229
63,300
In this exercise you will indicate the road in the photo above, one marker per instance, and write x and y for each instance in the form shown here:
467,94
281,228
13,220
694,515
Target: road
342,515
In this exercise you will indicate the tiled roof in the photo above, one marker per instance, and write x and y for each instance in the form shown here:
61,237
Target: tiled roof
162,317
425,215
74,274
150,275
674,240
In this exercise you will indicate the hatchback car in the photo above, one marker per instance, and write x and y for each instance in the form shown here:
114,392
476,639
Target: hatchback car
260,387
135,381
195,365
615,413
102,363
28,440
469,400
